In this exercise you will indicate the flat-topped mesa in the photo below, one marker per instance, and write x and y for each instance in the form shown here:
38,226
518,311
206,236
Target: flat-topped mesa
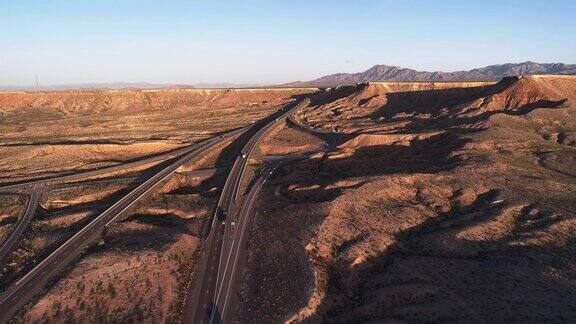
97,100
534,90
369,106
442,84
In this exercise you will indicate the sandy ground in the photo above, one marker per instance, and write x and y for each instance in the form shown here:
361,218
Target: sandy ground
133,277
60,213
141,269
287,139
11,207
429,203
49,132
437,205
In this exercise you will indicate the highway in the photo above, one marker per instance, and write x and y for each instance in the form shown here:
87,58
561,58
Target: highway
217,272
36,187
34,281
292,118
21,225
231,262
26,184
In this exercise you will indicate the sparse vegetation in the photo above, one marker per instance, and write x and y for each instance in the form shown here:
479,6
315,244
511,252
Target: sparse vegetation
430,204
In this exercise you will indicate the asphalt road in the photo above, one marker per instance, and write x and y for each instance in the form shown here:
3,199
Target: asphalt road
25,185
306,127
218,272
34,281
36,187
230,268
21,225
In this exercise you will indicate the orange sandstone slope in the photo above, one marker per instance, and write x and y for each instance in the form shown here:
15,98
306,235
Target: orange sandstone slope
440,202
390,106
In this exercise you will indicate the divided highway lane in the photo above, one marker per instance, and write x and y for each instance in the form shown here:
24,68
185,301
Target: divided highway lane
230,268
33,282
202,306
91,173
21,225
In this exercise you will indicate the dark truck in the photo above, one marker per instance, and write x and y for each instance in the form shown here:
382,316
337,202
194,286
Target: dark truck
221,213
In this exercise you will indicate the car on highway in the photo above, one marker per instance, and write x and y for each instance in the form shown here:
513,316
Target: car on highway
221,213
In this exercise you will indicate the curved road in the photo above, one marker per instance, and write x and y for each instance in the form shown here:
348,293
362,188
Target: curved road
34,281
84,174
208,302
21,225
36,186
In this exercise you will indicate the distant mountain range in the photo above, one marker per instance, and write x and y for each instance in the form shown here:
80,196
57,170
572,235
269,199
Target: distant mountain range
375,73
395,73
124,85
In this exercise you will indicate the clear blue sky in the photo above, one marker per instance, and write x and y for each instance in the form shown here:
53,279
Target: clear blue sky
271,41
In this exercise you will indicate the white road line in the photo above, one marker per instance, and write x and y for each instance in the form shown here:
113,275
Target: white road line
96,221
217,293
236,257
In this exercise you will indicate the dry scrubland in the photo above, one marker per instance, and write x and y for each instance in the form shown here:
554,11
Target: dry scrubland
438,203
61,212
421,202
12,206
48,132
141,269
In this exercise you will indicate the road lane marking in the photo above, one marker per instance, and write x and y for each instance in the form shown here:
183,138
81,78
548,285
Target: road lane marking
241,218
250,202
159,177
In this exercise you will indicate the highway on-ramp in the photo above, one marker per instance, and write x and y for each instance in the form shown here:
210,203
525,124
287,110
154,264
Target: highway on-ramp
34,281
74,176
21,225
207,303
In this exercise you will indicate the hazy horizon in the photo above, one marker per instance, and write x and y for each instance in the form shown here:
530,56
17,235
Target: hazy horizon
257,42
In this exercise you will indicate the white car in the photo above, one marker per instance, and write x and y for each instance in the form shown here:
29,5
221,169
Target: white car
243,155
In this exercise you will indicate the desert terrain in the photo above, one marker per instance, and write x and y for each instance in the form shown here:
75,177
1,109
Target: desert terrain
141,267
372,202
432,202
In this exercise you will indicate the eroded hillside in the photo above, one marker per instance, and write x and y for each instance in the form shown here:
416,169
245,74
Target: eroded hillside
416,202
430,202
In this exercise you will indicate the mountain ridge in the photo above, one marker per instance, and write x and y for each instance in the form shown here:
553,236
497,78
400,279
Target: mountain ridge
383,72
